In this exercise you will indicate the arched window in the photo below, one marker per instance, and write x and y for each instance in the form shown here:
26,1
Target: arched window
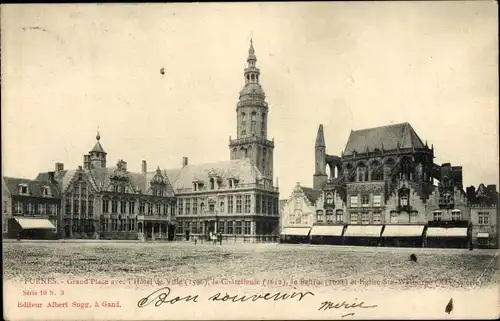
329,216
329,198
339,216
407,169
403,199
212,183
253,123
319,216
243,123
362,173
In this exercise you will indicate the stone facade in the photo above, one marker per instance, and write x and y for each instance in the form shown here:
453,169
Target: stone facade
26,198
485,220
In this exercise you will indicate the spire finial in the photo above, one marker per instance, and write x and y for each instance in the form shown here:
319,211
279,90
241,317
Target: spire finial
98,136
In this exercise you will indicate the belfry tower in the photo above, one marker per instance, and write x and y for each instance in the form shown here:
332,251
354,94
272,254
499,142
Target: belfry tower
252,110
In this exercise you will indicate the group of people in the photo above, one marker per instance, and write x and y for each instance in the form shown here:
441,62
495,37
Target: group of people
212,237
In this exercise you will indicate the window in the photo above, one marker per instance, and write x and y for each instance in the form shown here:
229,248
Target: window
123,207
394,217
221,207
413,216
211,207
238,204
212,183
437,215
123,189
238,228
75,207
354,201
19,208
483,218
23,189
230,183
329,216
114,206
116,188
456,215
165,209
264,204
195,206
5,206
46,191
248,228
248,203
253,123
84,207
202,208
150,209
188,206
365,200
257,204
91,207
158,208
230,204
114,224
41,209
377,217
377,200
319,216
84,189
354,218
131,207
329,198
230,227
446,198
403,199
173,208
181,206
339,216
105,206
365,218
142,207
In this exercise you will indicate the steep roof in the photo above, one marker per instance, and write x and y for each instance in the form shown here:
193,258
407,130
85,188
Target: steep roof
35,187
311,194
241,169
98,148
320,137
385,137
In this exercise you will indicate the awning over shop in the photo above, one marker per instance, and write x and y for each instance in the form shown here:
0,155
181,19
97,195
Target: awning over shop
447,232
324,230
35,223
403,230
363,231
483,235
296,231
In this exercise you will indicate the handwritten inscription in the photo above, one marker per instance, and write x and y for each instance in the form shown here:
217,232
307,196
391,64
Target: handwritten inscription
329,305
161,296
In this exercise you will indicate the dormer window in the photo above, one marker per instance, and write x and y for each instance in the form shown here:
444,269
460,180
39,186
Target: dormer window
46,191
456,215
230,182
115,188
23,189
212,183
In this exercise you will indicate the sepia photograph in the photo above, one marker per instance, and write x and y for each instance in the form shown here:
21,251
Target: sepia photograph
253,161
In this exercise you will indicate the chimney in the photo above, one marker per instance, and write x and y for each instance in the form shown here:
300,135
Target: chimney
52,177
86,161
144,167
184,161
59,167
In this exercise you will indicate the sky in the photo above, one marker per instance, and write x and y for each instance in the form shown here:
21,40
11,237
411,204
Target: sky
70,69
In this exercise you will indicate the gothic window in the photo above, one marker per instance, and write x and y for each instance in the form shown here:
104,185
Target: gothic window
407,169
377,173
243,123
362,173
339,216
329,198
253,123
329,216
437,215
404,197
446,198
319,216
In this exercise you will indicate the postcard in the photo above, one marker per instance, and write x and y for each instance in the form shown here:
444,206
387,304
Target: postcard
253,161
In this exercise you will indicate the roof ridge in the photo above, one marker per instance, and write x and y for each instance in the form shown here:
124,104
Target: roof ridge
383,126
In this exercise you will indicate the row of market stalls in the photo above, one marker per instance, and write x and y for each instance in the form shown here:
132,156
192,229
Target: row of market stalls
393,235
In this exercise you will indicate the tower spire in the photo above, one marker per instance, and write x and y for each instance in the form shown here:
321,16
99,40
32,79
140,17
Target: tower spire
320,137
